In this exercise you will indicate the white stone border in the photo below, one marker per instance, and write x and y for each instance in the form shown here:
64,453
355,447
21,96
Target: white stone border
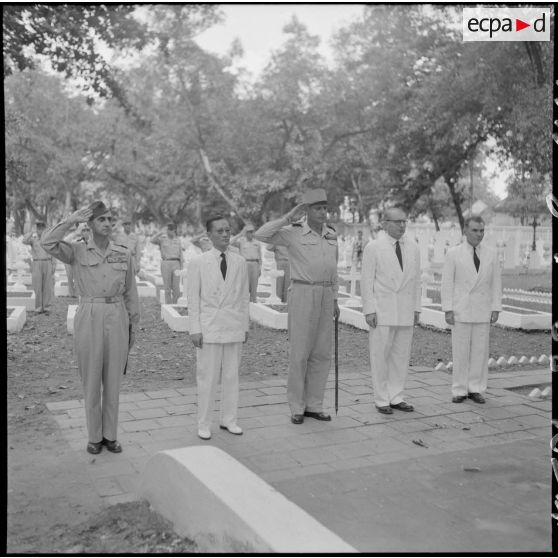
28,302
60,289
173,319
146,288
265,316
502,361
70,316
224,507
16,319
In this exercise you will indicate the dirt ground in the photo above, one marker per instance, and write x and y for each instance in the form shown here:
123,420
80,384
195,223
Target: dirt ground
41,368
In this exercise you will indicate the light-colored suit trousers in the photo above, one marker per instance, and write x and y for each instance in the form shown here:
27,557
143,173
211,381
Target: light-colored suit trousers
469,343
215,360
310,343
390,351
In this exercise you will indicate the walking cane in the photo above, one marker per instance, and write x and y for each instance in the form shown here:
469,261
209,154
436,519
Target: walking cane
336,363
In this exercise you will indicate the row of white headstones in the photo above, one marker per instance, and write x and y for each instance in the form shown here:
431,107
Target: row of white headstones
20,298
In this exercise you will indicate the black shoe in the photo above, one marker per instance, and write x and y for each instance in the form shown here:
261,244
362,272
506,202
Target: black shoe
477,398
403,407
385,410
317,416
113,446
297,419
458,398
94,447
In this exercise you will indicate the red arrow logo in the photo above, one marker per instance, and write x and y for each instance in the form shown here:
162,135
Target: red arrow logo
519,25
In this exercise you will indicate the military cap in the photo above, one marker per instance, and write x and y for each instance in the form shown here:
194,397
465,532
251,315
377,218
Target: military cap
318,195
98,208
127,221
250,228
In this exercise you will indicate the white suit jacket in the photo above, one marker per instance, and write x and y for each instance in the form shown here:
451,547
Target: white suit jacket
394,295
470,295
218,308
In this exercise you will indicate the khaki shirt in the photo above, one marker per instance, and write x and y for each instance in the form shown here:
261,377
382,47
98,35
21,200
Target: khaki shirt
128,240
171,248
250,250
97,273
313,256
37,252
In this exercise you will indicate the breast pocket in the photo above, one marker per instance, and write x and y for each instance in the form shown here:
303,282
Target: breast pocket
87,260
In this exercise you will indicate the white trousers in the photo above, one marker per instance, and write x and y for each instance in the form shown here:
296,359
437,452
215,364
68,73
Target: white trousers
215,360
390,351
469,344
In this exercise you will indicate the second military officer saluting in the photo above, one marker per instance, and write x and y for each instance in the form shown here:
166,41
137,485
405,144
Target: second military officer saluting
105,320
312,248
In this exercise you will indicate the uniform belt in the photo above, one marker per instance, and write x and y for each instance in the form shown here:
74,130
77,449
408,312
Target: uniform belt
102,299
320,283
252,260
41,260
171,259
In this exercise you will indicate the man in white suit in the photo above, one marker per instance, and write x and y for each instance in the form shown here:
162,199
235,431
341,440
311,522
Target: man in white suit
471,299
391,304
218,306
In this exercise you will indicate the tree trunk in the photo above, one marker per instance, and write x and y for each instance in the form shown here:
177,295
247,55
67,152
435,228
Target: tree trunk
456,202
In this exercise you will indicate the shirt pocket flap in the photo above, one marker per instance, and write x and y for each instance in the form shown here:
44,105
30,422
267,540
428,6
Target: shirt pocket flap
86,259
308,240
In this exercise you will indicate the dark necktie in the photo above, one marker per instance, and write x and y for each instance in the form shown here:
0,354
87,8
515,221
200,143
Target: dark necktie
476,258
398,254
223,265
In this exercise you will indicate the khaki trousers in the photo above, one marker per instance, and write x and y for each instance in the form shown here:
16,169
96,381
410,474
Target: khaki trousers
101,344
215,360
390,352
171,282
469,344
253,276
43,283
310,343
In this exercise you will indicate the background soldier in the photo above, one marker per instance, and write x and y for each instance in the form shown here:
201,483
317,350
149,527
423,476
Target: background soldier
282,264
312,248
42,269
128,238
251,251
105,321
171,261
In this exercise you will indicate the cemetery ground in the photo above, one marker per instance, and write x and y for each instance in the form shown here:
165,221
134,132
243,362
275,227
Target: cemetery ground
42,369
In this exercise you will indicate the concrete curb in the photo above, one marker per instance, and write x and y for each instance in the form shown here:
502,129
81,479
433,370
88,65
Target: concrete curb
224,507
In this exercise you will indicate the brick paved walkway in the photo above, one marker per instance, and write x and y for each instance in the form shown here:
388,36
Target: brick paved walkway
357,439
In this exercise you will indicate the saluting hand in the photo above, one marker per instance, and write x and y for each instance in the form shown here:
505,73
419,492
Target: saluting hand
371,319
296,213
197,340
80,216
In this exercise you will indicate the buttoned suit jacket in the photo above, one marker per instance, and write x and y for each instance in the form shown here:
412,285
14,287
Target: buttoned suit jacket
218,308
470,295
391,293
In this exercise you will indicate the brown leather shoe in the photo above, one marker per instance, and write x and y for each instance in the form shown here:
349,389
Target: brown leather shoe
477,398
317,416
297,419
94,447
113,446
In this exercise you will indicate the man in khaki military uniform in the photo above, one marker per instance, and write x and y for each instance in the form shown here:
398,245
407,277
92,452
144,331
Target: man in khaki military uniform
42,269
128,238
106,319
312,249
251,251
171,261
